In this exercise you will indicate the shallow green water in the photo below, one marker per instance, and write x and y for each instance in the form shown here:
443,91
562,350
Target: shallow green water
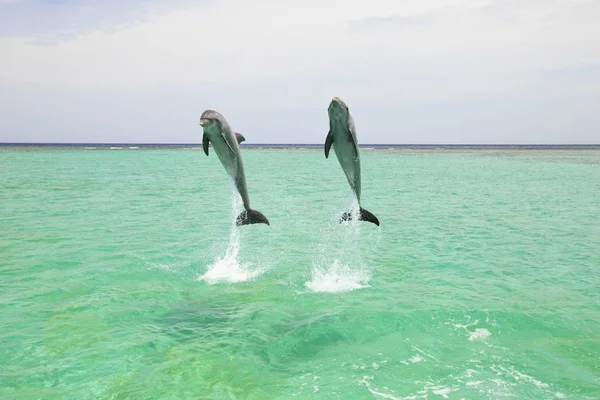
122,278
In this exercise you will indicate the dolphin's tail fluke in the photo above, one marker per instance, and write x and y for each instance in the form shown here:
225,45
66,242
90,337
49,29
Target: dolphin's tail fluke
365,215
251,216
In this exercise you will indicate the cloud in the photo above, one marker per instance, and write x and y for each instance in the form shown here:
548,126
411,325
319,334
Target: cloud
54,17
437,64
234,41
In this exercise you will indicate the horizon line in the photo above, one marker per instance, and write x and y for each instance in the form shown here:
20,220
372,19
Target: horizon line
296,144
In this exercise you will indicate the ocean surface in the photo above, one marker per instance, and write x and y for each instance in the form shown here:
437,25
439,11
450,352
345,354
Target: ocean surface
122,276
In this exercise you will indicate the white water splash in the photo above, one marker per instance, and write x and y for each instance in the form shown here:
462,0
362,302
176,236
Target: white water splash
229,268
353,209
355,213
417,358
366,382
340,267
479,334
338,278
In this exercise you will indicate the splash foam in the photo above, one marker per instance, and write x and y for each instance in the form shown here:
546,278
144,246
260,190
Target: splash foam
229,268
337,278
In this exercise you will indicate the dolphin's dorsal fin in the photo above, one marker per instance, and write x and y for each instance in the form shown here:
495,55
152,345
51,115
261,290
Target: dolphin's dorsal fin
205,141
328,143
240,138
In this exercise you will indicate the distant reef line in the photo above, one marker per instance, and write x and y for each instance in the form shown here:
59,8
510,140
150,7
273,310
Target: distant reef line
198,146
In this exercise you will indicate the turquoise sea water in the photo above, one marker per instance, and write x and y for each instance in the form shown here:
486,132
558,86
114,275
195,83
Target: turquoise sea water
122,276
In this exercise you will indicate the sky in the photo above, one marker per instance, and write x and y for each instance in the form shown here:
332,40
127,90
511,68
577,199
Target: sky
411,71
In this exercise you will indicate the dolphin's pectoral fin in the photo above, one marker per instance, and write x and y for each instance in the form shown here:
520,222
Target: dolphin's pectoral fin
251,216
364,215
205,141
328,143
240,138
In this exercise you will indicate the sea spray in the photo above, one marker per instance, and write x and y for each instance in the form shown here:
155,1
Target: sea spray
229,268
340,266
338,277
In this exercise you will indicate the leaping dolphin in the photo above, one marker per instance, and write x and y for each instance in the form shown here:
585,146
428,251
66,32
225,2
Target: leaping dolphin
342,135
226,144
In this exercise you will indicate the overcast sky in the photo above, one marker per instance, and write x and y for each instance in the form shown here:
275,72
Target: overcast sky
411,71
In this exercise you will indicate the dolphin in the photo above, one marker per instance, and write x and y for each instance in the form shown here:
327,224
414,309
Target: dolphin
342,135
226,144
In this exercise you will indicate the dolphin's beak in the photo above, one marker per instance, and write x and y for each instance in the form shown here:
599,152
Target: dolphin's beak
334,103
203,122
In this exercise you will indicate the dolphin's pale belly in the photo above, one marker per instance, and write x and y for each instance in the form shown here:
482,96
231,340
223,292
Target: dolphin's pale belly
226,156
349,160
233,165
